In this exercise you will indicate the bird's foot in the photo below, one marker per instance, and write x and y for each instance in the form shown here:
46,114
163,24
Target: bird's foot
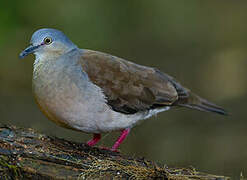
121,138
109,149
96,138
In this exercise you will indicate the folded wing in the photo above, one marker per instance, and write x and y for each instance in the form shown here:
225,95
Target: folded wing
130,88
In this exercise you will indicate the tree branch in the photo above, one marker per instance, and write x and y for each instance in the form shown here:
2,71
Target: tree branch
27,154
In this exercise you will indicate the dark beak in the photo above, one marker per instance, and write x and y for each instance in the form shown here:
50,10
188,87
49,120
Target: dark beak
30,49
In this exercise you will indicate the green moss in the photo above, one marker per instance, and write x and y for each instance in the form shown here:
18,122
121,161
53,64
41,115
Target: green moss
6,169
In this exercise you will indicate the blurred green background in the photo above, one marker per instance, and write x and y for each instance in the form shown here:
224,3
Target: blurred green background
201,43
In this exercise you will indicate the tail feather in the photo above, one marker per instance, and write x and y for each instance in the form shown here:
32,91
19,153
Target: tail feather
195,102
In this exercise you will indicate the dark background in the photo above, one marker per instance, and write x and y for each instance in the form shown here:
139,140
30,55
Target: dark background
201,43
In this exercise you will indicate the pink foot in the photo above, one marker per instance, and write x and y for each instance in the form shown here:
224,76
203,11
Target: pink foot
96,138
108,149
121,138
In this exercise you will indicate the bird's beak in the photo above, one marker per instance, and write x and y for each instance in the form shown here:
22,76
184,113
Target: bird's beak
30,49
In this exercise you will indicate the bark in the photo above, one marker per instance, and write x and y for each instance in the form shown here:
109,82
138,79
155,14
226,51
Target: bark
26,154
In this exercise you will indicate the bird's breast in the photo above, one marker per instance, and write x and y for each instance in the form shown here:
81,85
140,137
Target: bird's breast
66,96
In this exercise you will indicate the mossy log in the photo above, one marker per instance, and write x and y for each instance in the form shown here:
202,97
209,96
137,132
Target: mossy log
26,154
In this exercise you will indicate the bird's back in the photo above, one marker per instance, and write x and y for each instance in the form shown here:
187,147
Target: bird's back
131,88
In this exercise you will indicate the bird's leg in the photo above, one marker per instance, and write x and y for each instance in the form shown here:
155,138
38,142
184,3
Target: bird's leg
96,138
121,138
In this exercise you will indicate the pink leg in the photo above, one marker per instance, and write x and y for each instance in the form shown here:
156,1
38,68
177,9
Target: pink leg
121,138
96,138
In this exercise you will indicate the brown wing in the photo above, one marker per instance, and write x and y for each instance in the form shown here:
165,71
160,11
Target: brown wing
129,87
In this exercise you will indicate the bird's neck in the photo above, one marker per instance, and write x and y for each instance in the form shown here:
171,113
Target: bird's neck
41,61
46,56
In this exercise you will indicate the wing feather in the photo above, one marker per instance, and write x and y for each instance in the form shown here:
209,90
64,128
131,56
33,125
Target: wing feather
129,87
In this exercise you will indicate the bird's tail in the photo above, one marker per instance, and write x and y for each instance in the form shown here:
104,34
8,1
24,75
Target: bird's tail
193,101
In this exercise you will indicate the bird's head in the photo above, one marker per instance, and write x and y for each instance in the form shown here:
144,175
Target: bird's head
49,42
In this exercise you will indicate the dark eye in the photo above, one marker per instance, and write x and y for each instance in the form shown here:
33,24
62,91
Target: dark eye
47,40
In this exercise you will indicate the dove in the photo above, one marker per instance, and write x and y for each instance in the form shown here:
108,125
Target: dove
95,92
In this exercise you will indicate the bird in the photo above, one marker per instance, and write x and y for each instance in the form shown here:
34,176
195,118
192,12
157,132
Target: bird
95,92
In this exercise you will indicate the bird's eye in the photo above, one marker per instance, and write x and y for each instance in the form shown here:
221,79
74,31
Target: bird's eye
47,40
